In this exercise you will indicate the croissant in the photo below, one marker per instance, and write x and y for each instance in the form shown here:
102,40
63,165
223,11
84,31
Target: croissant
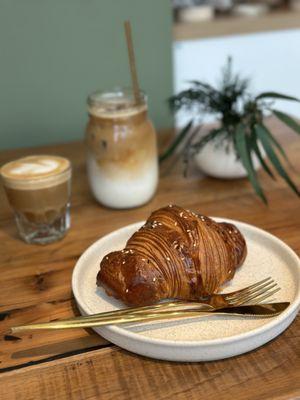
175,254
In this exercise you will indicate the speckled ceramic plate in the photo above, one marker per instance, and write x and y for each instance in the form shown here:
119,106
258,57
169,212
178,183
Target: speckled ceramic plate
196,339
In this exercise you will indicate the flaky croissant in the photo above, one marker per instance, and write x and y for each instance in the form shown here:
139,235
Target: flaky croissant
176,254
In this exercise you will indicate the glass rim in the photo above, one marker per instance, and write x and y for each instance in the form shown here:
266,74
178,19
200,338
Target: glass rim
34,182
103,97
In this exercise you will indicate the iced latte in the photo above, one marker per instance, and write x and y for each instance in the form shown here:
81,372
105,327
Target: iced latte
121,149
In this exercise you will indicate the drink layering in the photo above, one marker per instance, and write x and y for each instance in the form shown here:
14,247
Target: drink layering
38,189
122,159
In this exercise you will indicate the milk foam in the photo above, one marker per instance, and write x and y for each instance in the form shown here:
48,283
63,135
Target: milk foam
36,172
101,112
40,167
115,104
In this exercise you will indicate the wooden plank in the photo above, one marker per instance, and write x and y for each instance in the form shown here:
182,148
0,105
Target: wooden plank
35,280
270,372
34,346
226,26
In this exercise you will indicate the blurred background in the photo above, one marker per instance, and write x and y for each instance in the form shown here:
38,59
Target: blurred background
54,53
262,37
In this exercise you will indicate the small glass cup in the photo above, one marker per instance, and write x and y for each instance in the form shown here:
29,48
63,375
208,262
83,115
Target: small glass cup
38,189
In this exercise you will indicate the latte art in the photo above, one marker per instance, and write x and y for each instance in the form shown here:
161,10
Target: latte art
38,189
36,172
37,168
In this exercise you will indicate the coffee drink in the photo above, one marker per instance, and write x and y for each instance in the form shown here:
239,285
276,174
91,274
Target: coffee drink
38,189
122,152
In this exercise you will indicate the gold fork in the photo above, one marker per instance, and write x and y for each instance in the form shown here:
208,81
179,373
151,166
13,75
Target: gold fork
215,301
255,293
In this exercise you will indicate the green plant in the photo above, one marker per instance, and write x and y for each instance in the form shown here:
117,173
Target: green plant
241,120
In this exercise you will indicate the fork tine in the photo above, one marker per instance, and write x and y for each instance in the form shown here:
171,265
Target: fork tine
249,289
256,292
241,296
253,296
261,298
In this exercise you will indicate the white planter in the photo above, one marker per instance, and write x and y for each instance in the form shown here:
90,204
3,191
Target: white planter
220,161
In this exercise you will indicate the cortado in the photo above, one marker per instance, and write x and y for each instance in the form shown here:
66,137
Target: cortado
38,189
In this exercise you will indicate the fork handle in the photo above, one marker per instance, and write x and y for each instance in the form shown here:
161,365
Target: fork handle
156,307
95,321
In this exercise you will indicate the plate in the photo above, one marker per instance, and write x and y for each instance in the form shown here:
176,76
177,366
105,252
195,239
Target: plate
196,339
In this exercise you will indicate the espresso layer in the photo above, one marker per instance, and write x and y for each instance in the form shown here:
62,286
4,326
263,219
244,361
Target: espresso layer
122,145
42,205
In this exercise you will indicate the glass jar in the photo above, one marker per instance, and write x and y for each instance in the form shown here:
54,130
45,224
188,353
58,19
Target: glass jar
122,162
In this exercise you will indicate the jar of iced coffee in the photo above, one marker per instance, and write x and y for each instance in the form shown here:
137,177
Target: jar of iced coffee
122,158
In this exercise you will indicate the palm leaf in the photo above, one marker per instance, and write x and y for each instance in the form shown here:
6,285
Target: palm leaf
261,133
287,120
170,150
206,86
188,150
273,140
275,95
243,148
257,151
187,99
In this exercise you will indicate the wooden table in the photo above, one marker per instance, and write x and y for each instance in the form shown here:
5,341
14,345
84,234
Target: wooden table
35,285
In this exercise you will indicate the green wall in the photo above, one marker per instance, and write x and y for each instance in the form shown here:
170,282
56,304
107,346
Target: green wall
54,52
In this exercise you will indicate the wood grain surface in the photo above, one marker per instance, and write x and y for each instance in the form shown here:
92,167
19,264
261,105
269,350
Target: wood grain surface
78,364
